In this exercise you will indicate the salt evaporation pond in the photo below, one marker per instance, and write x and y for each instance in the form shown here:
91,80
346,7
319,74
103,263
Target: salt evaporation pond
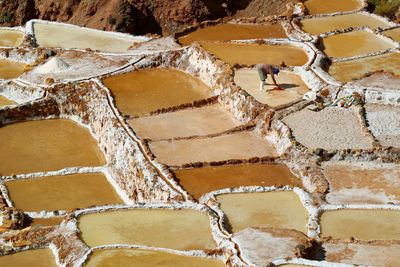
64,192
230,31
275,209
143,91
5,101
152,227
32,258
10,69
46,145
199,181
328,6
10,37
144,258
393,33
251,54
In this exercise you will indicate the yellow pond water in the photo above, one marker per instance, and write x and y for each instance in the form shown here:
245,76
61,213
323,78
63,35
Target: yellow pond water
143,258
62,192
199,181
10,69
361,224
143,91
5,101
46,145
46,221
10,37
229,31
205,120
346,70
326,24
393,33
276,209
354,43
33,258
53,35
251,54
328,6
176,229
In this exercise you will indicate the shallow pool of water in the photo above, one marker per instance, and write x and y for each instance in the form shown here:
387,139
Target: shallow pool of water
46,221
46,145
199,181
10,69
143,91
354,43
328,6
53,35
320,25
275,209
66,192
11,37
344,71
176,229
144,258
361,224
251,54
393,33
32,258
230,31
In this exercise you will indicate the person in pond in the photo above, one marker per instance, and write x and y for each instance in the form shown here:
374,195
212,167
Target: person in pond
263,70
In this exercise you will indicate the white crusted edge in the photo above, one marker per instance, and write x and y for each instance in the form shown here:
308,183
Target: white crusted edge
312,263
219,237
189,253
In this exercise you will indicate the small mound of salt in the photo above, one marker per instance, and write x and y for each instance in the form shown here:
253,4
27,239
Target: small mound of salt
53,65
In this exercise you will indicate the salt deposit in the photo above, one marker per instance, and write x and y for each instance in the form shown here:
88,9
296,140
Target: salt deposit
55,64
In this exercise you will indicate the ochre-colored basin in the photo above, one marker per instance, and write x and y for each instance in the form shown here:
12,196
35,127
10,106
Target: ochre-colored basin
393,33
46,145
230,31
328,6
354,43
5,101
154,228
199,181
66,192
275,209
251,54
32,258
143,91
344,71
11,37
144,258
53,35
10,69
361,224
320,25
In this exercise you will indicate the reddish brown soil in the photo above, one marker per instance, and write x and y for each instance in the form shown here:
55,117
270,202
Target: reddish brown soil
134,16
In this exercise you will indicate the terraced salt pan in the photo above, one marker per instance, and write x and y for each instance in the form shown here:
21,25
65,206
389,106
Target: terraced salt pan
315,7
65,36
393,33
154,228
46,145
144,258
320,25
354,43
81,65
330,128
46,221
143,91
66,192
251,54
201,121
5,101
294,87
31,258
10,69
361,224
384,123
363,254
230,31
344,71
199,181
361,183
273,209
10,37
240,145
